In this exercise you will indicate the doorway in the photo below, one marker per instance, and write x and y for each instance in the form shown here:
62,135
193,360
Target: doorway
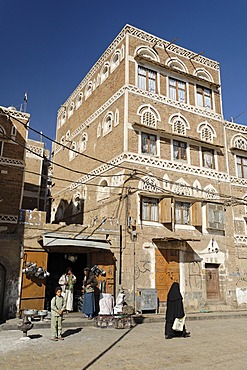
166,271
57,265
212,281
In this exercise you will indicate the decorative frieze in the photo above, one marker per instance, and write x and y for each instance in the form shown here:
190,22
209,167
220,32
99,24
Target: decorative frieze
32,150
160,164
9,219
12,162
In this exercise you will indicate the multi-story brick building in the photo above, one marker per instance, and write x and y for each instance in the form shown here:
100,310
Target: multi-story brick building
144,154
13,136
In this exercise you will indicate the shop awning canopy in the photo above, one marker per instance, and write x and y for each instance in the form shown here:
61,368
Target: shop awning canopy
66,239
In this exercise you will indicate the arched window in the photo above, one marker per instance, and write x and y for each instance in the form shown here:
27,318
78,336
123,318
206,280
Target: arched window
103,190
202,73
89,90
72,154
207,132
179,124
175,63
108,123
115,60
239,142
79,100
149,115
104,72
71,110
83,142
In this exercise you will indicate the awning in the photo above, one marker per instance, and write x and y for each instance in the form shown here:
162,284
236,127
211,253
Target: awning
66,239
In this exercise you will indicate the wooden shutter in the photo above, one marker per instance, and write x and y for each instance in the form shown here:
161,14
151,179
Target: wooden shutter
165,211
196,214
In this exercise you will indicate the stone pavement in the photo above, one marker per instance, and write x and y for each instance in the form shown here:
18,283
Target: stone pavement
217,343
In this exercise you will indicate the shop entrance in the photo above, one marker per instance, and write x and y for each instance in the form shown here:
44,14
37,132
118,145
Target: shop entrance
57,265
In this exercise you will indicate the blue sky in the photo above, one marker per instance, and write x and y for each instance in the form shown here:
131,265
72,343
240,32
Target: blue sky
48,46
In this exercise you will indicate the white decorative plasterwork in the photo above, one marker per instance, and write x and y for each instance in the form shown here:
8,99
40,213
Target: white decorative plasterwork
149,183
238,181
240,239
210,192
94,116
239,142
9,219
149,115
182,187
141,35
147,52
175,63
15,113
155,162
197,189
32,150
156,97
203,73
206,131
179,123
13,162
180,105
235,126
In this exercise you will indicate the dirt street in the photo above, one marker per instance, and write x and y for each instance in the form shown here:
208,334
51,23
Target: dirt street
214,344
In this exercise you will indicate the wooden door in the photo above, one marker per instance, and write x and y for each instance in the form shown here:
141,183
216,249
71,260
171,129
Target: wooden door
105,261
33,289
166,271
212,281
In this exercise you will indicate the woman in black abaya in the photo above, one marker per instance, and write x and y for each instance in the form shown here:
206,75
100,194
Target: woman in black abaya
175,309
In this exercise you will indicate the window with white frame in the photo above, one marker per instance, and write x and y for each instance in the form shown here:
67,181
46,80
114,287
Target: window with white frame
208,158
79,100
148,144
83,142
115,60
240,143
241,166
216,216
204,97
13,132
177,90
182,213
89,90
71,110
104,73
179,150
147,79
107,124
103,190
72,154
150,209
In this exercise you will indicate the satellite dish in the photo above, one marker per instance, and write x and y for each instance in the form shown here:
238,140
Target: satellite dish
12,108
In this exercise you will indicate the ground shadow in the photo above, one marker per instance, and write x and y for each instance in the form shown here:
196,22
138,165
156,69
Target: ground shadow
69,332
35,336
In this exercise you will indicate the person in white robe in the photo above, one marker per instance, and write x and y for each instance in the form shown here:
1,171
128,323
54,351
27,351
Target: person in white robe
67,282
